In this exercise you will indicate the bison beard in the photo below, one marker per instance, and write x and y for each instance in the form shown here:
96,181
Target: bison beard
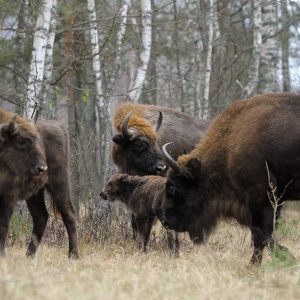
225,176
24,150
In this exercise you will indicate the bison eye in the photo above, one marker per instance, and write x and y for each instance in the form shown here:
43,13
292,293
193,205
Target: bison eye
171,189
140,145
21,143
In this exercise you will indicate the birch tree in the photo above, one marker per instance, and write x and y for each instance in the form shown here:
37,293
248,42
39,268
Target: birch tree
136,86
205,106
268,77
285,48
257,43
36,72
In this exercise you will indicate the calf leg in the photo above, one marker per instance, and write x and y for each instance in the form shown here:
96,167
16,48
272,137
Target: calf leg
37,208
144,226
7,204
134,226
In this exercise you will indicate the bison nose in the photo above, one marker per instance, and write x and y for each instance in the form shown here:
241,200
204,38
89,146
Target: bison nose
103,196
42,169
160,168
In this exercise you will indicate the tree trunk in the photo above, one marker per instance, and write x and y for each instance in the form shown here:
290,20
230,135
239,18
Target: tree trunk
19,70
250,88
136,87
285,40
36,72
205,112
268,77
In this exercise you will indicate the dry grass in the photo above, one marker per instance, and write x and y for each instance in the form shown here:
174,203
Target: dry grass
113,268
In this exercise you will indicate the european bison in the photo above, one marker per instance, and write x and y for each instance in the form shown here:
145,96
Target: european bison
226,175
34,158
143,196
141,132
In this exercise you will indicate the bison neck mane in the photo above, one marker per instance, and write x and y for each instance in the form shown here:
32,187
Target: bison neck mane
137,121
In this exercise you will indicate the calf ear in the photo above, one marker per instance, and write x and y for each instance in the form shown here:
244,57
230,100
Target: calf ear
119,139
8,130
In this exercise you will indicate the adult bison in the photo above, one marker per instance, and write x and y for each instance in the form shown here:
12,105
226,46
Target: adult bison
252,145
141,131
34,158
143,196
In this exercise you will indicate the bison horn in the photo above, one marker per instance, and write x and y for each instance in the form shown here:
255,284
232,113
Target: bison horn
159,121
12,126
170,161
128,133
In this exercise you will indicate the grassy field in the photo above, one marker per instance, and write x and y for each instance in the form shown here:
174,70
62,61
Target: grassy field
113,268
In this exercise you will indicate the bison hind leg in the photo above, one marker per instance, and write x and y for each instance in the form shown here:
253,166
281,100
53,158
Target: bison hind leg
37,208
144,226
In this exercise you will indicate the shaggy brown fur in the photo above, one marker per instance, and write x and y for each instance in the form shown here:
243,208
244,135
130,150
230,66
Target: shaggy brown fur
25,151
142,154
138,156
226,176
143,196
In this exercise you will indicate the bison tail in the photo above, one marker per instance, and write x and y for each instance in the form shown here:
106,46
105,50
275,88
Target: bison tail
56,213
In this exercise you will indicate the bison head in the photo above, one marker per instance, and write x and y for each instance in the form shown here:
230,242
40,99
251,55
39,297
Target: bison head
181,207
21,151
116,188
135,151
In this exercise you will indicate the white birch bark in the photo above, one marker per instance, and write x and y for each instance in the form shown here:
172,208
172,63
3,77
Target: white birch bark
208,60
253,75
96,55
36,71
136,86
47,93
97,73
268,79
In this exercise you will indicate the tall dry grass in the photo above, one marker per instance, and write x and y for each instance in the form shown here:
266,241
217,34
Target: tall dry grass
111,266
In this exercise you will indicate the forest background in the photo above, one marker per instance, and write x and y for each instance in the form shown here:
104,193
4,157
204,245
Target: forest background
74,61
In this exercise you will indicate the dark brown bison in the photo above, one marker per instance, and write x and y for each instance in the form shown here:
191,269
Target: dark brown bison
226,175
34,158
141,131
143,196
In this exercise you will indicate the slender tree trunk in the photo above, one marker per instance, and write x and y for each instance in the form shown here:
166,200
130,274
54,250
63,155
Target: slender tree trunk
49,111
268,77
136,87
253,75
36,73
285,40
19,70
205,113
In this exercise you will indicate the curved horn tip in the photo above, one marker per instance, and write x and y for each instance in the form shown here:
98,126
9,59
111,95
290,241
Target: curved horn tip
159,121
170,161
125,131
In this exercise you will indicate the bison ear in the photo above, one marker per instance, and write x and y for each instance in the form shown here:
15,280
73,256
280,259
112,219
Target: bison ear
119,139
124,177
8,130
194,168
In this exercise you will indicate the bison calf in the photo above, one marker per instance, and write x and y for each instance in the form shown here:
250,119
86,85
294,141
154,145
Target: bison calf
143,196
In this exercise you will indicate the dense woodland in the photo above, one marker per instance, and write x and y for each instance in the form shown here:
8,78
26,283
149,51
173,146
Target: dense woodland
74,61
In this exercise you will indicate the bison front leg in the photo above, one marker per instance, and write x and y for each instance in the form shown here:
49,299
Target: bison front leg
6,209
37,208
173,242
